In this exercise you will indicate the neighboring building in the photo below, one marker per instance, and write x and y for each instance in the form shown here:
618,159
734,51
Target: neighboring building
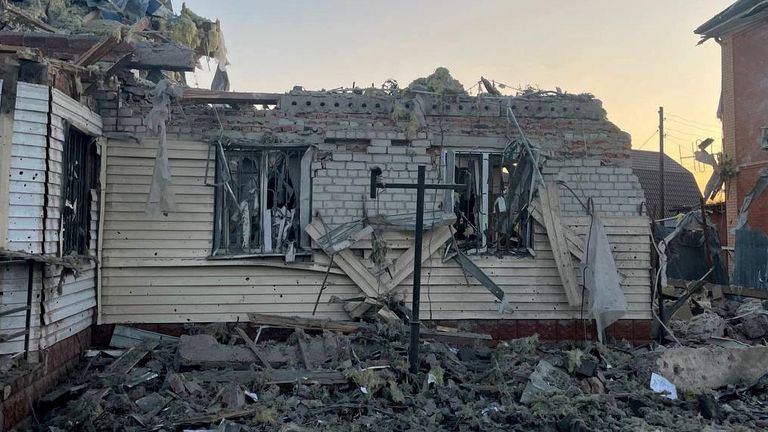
680,191
742,31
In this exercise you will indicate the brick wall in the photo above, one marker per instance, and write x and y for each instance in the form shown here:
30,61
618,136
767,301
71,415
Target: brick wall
26,387
353,133
614,191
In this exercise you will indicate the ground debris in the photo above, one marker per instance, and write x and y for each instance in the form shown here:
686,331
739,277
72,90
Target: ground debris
360,381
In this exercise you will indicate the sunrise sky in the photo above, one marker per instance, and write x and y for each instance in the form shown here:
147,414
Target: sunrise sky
634,56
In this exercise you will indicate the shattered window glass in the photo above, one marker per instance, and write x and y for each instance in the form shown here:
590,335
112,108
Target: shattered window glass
257,201
80,174
484,221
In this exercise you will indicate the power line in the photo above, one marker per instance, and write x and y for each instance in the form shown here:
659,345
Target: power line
648,140
692,121
697,135
710,129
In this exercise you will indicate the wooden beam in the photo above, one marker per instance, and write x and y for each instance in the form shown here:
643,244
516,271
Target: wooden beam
256,351
349,263
197,95
304,323
27,18
403,268
575,242
550,211
718,290
108,43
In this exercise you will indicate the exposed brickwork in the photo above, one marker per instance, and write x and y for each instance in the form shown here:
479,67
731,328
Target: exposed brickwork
353,133
745,113
638,332
56,363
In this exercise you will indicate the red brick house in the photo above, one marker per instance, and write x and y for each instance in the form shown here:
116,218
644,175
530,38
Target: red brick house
742,32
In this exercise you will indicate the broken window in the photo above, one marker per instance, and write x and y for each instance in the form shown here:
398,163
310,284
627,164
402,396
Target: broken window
482,217
260,208
80,174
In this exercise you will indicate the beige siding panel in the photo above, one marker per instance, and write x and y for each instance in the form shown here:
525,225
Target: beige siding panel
14,279
68,310
155,269
28,166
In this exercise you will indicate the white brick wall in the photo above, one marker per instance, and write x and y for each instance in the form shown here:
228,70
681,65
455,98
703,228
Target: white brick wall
341,183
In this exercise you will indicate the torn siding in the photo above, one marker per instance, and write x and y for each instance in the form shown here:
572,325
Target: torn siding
155,268
60,308
68,304
27,169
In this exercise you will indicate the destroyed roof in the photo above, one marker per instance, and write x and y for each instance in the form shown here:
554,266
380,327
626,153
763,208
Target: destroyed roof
736,17
681,189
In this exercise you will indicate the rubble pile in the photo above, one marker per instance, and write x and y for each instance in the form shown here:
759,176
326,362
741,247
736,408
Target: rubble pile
357,378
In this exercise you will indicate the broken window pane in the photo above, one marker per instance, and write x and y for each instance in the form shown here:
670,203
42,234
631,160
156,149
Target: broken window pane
80,174
500,228
257,201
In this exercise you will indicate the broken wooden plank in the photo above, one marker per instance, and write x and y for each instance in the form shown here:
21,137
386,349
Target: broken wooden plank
129,360
300,340
304,323
108,43
471,268
320,377
256,351
214,418
717,289
349,263
198,95
426,333
127,337
27,18
550,210
431,243
575,242
169,56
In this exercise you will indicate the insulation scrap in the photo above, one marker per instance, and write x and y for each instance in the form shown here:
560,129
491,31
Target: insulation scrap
440,82
161,198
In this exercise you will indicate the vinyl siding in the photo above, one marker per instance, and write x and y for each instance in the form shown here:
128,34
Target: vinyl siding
155,268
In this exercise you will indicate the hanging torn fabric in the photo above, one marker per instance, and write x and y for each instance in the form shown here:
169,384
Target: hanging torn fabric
161,198
601,279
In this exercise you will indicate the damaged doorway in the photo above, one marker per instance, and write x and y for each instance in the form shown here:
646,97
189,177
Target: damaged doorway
259,204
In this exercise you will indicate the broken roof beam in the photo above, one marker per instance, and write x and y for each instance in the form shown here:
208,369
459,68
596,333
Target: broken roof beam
27,18
107,44
146,55
197,95
167,56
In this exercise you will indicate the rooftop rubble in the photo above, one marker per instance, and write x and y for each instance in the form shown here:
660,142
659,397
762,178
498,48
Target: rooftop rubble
291,374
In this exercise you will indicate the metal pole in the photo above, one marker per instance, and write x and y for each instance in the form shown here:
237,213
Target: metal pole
413,353
662,209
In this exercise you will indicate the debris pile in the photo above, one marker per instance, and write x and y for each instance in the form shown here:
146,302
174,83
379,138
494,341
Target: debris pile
354,376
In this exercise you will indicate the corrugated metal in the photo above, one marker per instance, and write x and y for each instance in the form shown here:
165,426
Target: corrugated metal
155,268
27,168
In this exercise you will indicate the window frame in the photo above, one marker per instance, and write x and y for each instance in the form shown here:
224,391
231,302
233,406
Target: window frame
302,197
85,149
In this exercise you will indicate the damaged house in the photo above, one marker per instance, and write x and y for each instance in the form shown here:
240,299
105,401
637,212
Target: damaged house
128,197
740,30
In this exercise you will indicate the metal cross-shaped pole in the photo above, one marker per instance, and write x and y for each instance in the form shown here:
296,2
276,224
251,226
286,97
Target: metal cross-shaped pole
420,186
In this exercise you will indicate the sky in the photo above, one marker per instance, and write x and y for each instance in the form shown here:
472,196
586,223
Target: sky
635,56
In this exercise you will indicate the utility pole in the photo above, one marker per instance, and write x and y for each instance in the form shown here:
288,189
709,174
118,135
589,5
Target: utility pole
662,205
420,186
